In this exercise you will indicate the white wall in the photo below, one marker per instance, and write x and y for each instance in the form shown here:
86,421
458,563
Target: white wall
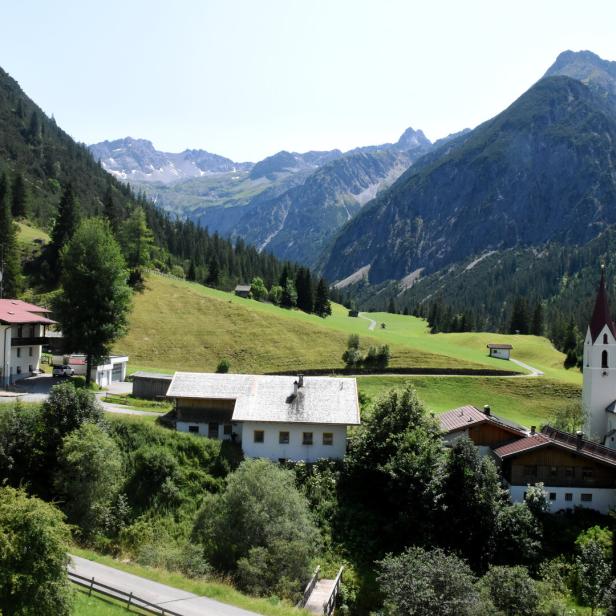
599,389
272,449
500,353
603,499
10,361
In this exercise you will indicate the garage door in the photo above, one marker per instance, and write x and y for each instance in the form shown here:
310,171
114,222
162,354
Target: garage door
116,374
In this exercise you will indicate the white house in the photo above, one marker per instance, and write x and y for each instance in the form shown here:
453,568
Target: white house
275,417
499,351
111,369
23,329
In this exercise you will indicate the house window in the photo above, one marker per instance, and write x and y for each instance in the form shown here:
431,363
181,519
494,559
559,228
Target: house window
307,438
32,332
604,359
228,429
587,472
20,332
30,351
553,471
568,496
552,496
18,352
530,470
18,369
283,438
212,429
586,498
30,368
604,338
259,436
193,429
328,438
569,471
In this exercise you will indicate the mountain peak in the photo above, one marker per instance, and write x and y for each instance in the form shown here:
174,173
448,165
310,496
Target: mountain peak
585,66
411,139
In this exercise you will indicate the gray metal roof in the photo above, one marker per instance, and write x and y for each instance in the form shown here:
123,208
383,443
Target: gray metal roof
325,400
152,375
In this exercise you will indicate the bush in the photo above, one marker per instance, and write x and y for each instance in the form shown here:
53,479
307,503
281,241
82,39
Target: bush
33,545
223,366
427,583
258,289
154,479
89,475
259,529
511,590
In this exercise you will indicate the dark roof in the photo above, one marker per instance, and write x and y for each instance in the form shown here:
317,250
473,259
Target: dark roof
563,440
466,416
499,346
601,314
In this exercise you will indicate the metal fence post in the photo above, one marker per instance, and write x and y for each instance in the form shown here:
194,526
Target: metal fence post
91,585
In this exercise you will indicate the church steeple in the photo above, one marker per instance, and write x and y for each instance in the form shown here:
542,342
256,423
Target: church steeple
601,314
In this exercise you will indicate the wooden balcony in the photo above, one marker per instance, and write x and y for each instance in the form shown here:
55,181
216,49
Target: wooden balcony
29,341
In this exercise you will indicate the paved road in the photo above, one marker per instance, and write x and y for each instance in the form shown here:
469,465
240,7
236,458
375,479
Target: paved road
372,321
180,601
533,371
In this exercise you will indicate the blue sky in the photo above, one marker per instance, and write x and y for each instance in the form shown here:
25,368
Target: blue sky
248,78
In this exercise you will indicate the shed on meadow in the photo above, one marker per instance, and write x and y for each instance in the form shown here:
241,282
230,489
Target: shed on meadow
500,351
243,290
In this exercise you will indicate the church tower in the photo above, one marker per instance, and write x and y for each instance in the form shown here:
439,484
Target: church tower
599,389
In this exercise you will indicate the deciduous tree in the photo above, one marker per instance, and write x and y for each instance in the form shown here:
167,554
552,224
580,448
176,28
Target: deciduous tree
33,556
95,301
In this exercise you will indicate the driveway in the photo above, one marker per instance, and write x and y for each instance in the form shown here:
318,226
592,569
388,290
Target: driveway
180,601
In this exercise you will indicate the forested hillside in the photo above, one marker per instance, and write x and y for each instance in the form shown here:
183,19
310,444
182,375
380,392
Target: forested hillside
43,166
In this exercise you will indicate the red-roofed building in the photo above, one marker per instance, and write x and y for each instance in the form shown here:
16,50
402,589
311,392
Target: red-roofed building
487,431
575,472
23,328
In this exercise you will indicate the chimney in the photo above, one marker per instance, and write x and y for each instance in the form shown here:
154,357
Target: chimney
486,409
579,437
295,387
533,430
300,378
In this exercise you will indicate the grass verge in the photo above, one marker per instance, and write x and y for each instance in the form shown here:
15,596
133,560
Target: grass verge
219,591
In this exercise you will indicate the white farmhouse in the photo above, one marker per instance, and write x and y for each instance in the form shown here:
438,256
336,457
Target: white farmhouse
23,330
275,417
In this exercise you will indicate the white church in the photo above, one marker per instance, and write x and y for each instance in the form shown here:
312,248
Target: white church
599,389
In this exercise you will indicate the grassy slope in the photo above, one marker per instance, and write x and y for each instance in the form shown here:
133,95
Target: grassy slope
98,605
181,325
215,590
27,234
529,401
178,325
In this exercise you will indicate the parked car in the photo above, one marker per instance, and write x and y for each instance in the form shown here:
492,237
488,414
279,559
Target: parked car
64,370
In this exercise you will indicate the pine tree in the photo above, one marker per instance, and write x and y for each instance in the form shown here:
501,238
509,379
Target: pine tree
520,318
213,274
9,252
391,308
322,305
537,326
192,274
136,240
110,210
303,284
19,195
64,227
289,295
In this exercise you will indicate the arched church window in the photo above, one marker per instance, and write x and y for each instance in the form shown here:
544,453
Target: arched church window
604,359
604,338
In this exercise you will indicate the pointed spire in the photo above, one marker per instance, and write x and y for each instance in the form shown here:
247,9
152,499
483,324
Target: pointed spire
601,314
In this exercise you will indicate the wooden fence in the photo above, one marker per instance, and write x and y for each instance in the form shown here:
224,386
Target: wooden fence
330,604
310,587
129,598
